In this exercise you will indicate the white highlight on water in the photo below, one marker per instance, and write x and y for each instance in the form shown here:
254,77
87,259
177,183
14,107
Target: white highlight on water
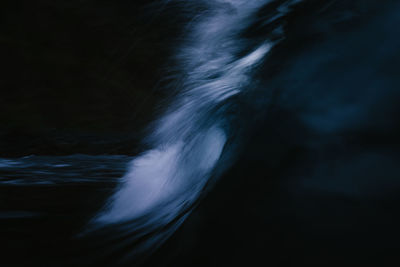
164,174
189,139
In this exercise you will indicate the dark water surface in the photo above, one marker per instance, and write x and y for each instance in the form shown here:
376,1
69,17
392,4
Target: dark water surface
289,217
47,200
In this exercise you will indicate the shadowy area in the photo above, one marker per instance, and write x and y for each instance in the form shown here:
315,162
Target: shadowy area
80,76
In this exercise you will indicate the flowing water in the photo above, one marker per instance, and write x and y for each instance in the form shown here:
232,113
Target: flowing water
235,63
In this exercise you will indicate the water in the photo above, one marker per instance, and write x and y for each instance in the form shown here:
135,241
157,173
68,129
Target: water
47,200
291,106
163,185
61,170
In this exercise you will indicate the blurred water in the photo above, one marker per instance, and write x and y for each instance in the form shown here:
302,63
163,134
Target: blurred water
312,98
188,142
61,170
46,200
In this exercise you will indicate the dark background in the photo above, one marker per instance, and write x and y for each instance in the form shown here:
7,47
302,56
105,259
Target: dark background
80,76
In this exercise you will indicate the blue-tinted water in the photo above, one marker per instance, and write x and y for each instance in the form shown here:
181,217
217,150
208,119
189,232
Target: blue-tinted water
61,170
279,145
46,201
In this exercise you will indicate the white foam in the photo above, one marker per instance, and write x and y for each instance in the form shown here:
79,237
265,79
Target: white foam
189,139
164,174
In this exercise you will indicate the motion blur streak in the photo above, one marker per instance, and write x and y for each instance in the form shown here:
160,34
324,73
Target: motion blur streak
163,184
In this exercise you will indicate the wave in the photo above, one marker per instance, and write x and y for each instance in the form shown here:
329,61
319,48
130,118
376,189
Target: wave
215,65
